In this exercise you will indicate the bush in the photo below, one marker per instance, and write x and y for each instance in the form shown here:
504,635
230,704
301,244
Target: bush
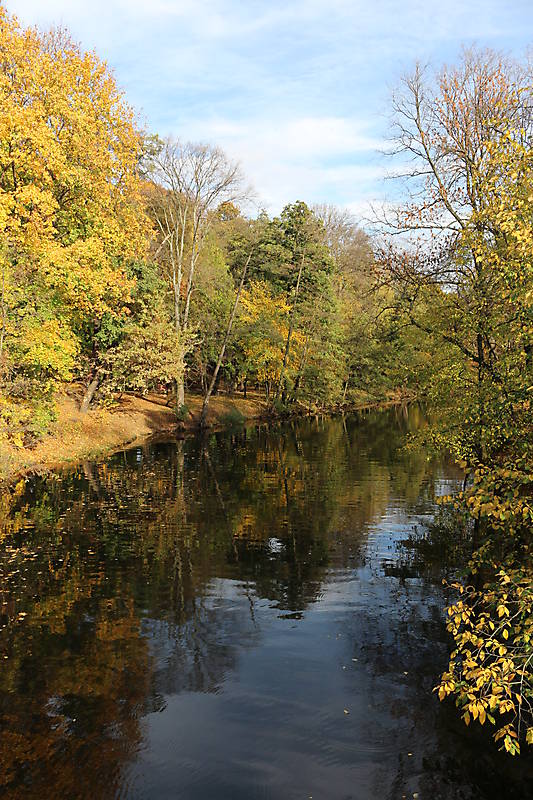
24,422
182,412
279,406
233,418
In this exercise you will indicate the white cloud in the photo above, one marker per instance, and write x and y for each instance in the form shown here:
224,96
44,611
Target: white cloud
294,89
294,158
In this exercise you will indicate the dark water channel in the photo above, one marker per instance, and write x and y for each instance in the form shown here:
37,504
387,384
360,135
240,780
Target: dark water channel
246,617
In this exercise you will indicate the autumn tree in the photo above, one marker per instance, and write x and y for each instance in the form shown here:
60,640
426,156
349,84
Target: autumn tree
242,247
263,329
359,307
465,282
189,182
70,209
299,266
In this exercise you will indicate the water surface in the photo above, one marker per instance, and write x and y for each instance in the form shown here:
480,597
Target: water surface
238,617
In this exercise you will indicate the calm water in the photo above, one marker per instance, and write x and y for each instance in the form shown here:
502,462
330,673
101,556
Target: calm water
242,617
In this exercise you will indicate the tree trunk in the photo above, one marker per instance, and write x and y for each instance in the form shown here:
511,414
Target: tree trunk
480,377
180,393
207,397
344,391
298,381
90,393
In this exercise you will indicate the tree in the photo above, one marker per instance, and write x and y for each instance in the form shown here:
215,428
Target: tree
264,324
189,182
468,289
300,267
227,335
70,209
351,250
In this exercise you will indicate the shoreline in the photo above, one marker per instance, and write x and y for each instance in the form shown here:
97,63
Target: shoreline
77,437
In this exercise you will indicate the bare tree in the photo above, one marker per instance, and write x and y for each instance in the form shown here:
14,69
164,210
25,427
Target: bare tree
189,182
348,243
442,128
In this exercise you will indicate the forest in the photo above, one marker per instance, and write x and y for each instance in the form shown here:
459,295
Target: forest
133,263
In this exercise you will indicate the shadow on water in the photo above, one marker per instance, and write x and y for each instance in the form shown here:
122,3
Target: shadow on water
252,614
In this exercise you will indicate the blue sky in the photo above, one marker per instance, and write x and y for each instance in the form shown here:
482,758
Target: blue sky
297,91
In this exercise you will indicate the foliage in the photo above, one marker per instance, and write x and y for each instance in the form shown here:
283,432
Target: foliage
70,212
23,421
85,198
264,324
233,418
121,259
148,356
470,298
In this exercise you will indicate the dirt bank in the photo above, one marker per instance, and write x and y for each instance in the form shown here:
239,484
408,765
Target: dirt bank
76,436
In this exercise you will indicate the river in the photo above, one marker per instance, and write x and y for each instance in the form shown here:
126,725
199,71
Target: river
252,615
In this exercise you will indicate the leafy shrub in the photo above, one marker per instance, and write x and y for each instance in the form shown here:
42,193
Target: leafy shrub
23,423
233,418
182,412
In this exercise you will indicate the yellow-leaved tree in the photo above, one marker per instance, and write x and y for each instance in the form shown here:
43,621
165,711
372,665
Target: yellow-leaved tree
71,217
264,319
469,288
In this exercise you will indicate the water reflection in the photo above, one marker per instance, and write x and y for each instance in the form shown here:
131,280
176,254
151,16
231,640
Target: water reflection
234,617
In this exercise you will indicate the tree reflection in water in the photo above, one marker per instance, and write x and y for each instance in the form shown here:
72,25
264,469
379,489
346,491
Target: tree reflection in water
185,569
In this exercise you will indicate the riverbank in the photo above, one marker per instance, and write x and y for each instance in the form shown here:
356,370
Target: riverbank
76,437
